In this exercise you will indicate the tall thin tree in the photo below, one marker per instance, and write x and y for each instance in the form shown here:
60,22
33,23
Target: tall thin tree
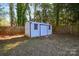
11,9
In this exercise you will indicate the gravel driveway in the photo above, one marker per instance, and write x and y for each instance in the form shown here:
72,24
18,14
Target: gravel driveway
55,45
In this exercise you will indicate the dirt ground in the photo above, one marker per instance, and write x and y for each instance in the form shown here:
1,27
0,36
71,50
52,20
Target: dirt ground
54,45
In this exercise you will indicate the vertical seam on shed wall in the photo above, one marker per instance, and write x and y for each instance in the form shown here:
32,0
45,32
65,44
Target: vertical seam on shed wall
40,29
30,29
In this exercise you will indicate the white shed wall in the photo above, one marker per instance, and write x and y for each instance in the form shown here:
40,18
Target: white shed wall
50,31
35,33
27,29
43,29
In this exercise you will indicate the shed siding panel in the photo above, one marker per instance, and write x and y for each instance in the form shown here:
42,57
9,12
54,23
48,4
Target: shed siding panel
35,32
50,31
44,30
27,29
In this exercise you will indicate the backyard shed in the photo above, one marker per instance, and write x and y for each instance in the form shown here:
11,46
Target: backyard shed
37,29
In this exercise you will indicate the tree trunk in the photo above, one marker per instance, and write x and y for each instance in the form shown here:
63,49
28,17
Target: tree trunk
57,15
11,8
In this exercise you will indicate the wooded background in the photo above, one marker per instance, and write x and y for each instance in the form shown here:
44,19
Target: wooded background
64,17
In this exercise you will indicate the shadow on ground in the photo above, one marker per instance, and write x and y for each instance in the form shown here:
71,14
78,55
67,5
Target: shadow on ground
54,45
8,44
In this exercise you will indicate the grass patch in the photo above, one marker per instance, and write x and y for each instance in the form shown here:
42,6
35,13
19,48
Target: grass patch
9,44
6,47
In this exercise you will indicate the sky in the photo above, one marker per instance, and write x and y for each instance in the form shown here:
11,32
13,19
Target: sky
6,9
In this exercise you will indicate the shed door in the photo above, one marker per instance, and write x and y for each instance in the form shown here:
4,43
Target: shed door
44,30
